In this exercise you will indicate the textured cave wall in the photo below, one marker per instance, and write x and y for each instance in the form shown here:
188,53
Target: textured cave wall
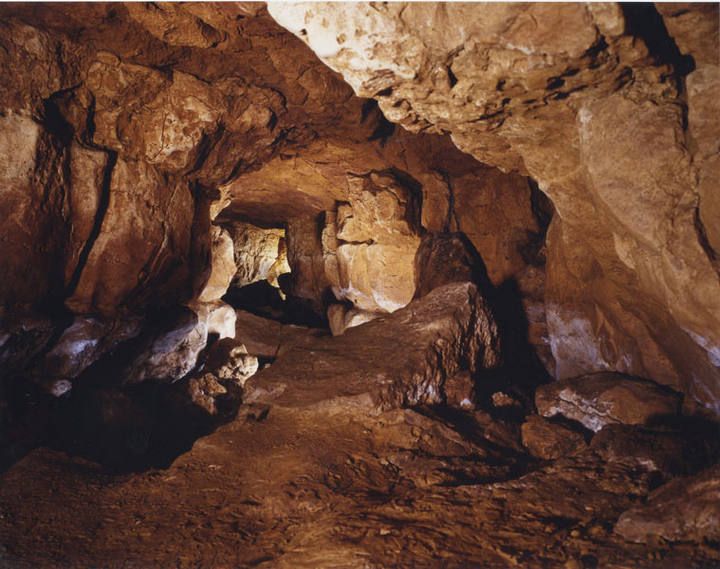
119,124
609,108
131,134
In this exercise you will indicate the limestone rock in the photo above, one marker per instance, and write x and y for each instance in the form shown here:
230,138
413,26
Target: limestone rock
590,115
222,266
460,390
550,441
175,25
260,254
305,256
27,170
84,342
686,509
694,28
340,318
220,318
172,352
142,250
399,359
606,398
203,392
239,366
654,450
443,259
369,244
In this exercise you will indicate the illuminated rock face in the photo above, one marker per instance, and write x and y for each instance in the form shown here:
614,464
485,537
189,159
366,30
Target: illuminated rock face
595,114
369,244
131,135
472,256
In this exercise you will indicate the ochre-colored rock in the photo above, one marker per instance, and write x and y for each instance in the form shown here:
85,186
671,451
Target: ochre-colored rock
595,116
239,367
369,243
420,347
606,398
341,317
548,440
686,509
260,254
222,266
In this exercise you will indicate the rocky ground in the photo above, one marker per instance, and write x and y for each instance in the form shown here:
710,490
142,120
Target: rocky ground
349,475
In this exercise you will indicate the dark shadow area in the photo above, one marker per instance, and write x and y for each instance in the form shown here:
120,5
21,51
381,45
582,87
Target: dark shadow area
134,428
263,299
645,22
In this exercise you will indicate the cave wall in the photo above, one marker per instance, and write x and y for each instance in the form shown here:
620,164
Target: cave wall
135,135
131,133
606,106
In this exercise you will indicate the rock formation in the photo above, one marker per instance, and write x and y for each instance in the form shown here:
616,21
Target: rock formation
595,115
448,272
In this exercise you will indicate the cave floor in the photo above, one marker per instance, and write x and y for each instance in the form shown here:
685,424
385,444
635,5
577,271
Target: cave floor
282,487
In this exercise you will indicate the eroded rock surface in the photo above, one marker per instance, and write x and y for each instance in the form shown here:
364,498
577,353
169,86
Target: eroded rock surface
686,509
607,398
550,441
420,347
595,115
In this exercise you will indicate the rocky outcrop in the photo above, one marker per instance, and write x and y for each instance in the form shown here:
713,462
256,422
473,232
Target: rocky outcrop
420,347
607,398
686,509
595,115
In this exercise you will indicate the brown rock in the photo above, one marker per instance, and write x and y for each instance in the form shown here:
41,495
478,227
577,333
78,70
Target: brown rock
260,254
417,348
140,257
239,366
222,266
686,509
604,142
460,390
203,392
84,342
694,28
340,318
369,244
606,398
550,441
443,259
651,449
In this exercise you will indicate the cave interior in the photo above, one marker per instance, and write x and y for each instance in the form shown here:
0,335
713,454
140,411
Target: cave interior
359,285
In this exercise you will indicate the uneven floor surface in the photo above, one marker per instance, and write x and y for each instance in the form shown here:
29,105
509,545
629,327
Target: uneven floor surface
336,481
299,489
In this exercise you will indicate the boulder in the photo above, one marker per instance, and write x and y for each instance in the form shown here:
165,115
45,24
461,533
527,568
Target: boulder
460,390
445,258
239,366
654,450
369,243
84,342
260,254
400,359
686,509
549,441
601,399
203,392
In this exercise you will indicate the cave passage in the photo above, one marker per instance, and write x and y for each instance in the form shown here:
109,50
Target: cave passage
359,285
